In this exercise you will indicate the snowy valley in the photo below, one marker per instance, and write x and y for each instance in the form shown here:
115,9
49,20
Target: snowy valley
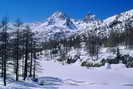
66,53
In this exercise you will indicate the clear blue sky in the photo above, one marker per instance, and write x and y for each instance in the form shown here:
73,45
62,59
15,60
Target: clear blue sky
35,10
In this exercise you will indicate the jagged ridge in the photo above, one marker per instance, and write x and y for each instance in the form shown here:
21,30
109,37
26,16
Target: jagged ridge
59,25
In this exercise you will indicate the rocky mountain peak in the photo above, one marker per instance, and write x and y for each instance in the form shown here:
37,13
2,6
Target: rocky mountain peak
90,17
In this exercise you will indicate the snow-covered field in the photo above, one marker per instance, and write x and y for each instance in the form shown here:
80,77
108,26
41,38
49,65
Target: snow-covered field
76,77
57,76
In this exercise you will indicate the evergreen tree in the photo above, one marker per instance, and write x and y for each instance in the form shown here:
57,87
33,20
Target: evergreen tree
18,26
5,36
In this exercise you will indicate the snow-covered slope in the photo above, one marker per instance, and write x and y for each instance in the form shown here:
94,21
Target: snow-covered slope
128,15
117,22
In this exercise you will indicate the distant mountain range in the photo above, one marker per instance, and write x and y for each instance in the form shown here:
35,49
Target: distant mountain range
59,25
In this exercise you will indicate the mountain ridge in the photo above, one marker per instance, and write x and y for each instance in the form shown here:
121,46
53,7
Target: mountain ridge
59,25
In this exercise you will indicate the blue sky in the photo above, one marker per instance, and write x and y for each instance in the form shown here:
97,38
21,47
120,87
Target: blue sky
35,10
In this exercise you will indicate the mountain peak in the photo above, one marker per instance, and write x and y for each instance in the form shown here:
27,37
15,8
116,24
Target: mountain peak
57,17
90,17
59,14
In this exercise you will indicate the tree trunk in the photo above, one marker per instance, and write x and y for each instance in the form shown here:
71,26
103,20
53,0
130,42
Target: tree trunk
26,57
17,57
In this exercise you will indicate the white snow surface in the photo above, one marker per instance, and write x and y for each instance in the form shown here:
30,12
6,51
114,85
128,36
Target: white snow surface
55,75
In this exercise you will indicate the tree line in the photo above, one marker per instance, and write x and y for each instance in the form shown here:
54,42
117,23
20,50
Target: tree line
92,42
18,47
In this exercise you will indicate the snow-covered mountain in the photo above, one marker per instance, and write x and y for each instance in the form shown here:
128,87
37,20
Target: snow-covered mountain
57,26
117,22
60,25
